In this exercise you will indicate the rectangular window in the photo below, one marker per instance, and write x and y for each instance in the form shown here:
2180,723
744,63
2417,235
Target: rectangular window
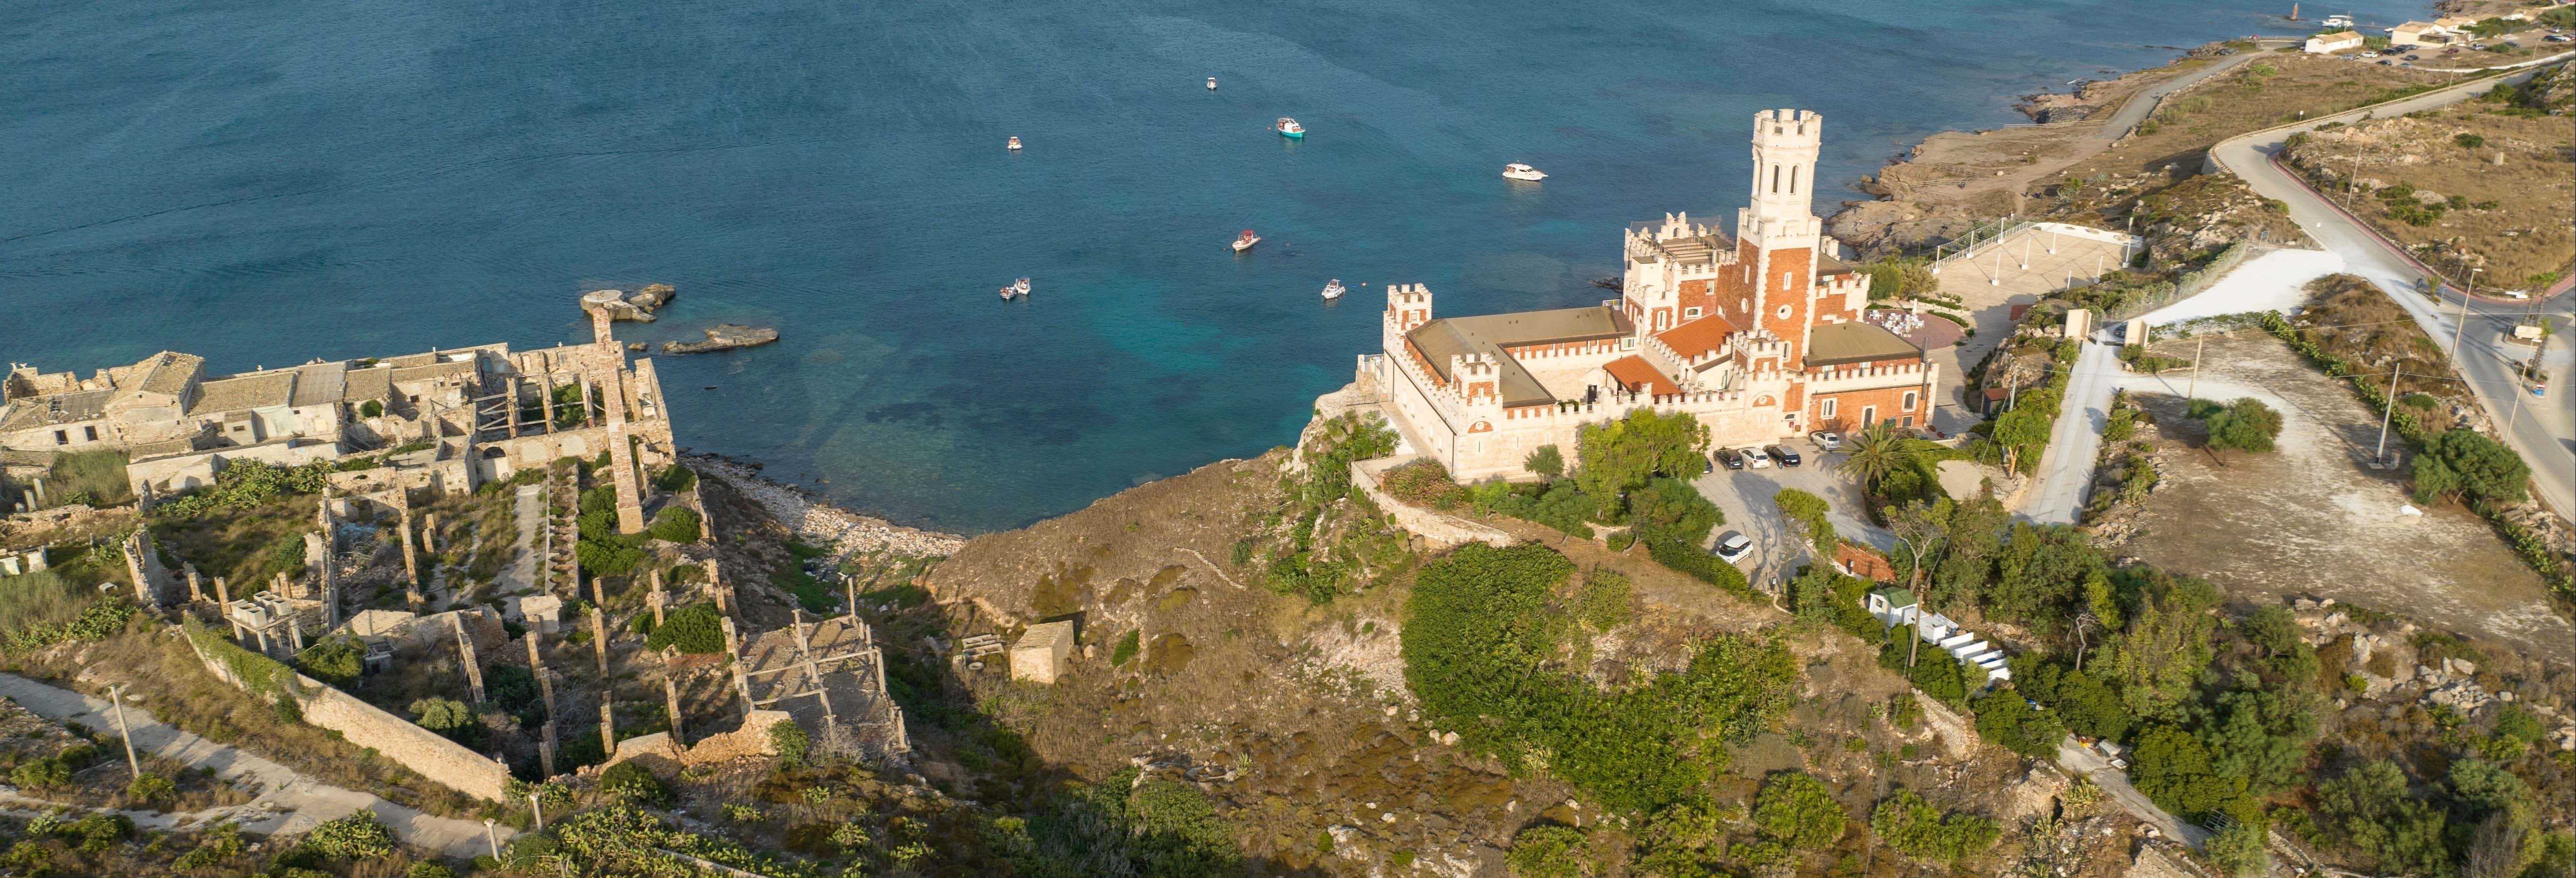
1909,401
1909,420
1868,415
92,432
1690,313
62,437
1825,409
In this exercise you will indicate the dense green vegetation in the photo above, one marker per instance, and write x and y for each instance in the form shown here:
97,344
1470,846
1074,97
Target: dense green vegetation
1917,829
2246,424
1481,641
1120,826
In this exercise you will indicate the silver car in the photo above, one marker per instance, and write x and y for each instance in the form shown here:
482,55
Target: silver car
1732,547
1826,440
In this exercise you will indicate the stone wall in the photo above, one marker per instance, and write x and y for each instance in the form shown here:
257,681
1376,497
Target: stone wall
1440,530
423,751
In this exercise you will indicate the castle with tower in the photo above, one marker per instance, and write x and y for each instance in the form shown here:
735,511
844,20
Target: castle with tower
1758,337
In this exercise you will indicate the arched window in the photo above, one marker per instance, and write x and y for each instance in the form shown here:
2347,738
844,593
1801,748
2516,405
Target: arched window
1775,178
1909,401
1793,179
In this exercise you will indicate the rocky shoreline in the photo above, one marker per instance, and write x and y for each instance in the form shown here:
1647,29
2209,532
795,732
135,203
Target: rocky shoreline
817,520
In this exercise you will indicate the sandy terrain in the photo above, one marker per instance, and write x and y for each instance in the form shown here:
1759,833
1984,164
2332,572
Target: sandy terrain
2312,519
2509,197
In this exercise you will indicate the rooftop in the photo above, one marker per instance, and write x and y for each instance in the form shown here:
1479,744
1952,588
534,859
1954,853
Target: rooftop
1637,375
60,408
1490,334
1697,338
1834,344
247,391
320,383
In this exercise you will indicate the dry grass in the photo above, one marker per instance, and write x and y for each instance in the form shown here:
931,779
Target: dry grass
2242,100
240,546
2515,220
2352,319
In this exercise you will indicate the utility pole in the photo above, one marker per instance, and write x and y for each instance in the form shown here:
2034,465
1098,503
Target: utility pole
116,696
2382,454
2191,391
490,838
2460,329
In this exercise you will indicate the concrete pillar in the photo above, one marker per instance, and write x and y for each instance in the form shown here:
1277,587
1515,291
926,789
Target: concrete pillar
546,747
546,688
473,663
546,392
281,587
513,394
655,597
411,559
599,638
671,705
429,534
196,590
589,406
733,649
608,723
223,595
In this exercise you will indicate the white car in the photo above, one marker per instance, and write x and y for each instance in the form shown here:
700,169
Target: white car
1732,547
1826,440
1753,457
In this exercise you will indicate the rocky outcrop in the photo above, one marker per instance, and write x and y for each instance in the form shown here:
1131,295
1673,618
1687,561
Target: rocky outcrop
724,337
637,306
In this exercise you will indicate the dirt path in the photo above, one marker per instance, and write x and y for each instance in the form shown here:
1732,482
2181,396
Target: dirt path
287,802
2116,783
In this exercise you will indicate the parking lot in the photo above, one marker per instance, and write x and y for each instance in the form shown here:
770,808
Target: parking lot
1746,497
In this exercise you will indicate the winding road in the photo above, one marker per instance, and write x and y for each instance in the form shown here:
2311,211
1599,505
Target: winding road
287,802
2542,429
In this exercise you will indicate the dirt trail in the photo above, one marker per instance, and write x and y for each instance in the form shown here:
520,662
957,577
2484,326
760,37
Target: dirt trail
288,802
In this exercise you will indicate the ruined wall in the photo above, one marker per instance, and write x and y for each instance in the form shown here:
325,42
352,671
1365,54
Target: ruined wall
442,761
1442,531
752,739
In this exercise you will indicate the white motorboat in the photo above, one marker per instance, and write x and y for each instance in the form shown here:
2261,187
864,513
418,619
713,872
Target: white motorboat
1015,142
1211,83
1246,241
1333,290
1518,171
1289,128
1017,289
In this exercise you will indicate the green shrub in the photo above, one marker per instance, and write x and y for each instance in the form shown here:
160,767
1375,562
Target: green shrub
2246,424
339,661
1558,504
676,478
1917,829
1795,809
2004,718
448,717
373,408
678,524
789,740
634,783
2470,465
696,629
1424,483
149,787
41,774
1126,648
1548,851
355,837
1547,462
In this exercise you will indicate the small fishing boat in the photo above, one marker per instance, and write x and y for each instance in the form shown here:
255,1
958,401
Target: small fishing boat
1211,83
1518,171
1245,241
1289,128
1017,289
1333,290
1015,142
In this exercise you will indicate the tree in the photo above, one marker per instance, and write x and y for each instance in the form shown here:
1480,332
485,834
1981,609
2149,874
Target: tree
2246,424
1671,509
1548,851
1475,631
2166,645
2240,850
1624,454
2261,736
1546,462
1915,828
355,837
2395,831
1873,453
2485,786
446,716
2172,768
1795,809
2039,573
2085,703
2004,718
1808,512
339,661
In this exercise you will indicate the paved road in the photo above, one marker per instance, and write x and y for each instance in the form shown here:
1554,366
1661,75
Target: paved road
287,802
2116,783
1748,499
2066,467
2545,429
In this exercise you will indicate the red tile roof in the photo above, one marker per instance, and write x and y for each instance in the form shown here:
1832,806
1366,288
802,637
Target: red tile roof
1864,563
1697,338
1634,373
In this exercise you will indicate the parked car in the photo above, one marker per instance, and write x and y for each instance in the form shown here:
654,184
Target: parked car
2414,57
1732,546
1826,440
1753,457
1782,453
1728,458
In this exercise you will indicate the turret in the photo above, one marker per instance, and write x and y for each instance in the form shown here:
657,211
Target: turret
1407,306
1785,146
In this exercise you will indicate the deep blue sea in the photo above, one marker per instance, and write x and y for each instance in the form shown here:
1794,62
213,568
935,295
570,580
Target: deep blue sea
267,182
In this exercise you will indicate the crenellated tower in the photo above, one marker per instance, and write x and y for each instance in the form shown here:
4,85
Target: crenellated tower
1778,232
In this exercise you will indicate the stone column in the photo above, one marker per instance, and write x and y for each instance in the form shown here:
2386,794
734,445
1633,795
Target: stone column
473,664
545,680
223,595
741,683
546,748
429,534
546,391
654,597
196,590
411,559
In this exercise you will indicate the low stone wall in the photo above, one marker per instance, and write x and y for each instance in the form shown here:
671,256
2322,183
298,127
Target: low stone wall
752,739
1439,529
442,761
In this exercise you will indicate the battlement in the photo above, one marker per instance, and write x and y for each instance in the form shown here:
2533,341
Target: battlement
1785,127
1407,306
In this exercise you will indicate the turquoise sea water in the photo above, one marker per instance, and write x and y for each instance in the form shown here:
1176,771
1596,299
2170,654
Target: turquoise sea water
266,182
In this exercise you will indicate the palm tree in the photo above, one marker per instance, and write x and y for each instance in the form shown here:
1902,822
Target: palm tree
1873,455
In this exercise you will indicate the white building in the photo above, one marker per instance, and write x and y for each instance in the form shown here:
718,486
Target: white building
2331,42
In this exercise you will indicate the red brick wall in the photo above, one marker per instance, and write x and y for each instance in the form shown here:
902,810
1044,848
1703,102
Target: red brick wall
1795,265
1889,402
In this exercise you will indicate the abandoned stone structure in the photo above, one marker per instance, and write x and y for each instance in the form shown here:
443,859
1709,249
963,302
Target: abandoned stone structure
1758,336
445,420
